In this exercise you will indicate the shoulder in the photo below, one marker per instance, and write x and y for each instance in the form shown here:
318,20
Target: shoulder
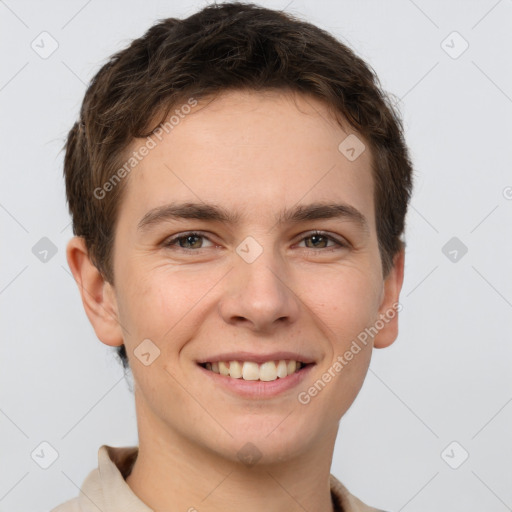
90,495
68,506
344,501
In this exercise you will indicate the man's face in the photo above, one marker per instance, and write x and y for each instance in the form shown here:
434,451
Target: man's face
262,287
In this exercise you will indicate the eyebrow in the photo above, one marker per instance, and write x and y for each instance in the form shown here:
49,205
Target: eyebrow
214,213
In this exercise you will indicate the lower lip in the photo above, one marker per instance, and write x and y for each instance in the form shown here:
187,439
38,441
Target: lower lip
258,389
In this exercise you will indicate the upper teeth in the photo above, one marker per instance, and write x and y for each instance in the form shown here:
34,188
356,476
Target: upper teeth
248,370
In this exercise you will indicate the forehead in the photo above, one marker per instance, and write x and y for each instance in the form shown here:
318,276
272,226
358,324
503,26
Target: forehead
251,149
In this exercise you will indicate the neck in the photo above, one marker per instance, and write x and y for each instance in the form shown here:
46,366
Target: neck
172,473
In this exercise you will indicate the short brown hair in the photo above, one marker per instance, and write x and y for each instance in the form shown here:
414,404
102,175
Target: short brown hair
226,46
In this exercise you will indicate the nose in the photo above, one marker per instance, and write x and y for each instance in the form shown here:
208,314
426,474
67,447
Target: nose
259,295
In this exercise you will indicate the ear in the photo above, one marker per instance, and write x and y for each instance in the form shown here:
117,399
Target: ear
98,295
390,306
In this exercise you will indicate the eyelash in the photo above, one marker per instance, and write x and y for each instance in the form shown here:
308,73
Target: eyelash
170,242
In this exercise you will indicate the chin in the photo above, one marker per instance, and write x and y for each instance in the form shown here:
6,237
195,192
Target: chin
270,440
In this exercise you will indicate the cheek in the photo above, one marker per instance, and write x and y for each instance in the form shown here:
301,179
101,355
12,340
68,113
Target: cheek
346,301
142,309
164,304
353,300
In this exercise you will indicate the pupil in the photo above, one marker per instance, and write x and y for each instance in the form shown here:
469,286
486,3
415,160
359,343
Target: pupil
189,238
316,238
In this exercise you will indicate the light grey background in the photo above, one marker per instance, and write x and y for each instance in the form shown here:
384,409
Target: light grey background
447,377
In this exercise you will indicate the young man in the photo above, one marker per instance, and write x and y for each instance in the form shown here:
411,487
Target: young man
238,185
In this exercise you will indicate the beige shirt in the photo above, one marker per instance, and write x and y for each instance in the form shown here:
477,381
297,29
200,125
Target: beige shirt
106,490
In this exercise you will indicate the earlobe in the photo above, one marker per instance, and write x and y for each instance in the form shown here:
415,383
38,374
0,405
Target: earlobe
390,305
98,297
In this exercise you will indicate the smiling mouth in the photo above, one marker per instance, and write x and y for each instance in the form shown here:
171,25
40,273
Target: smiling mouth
249,370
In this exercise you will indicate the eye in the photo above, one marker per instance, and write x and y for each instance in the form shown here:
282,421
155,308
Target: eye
319,240
195,241
186,241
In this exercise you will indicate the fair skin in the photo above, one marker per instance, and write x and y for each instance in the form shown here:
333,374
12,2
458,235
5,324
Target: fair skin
255,155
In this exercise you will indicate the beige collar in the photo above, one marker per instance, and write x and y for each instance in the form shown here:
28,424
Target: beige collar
105,488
